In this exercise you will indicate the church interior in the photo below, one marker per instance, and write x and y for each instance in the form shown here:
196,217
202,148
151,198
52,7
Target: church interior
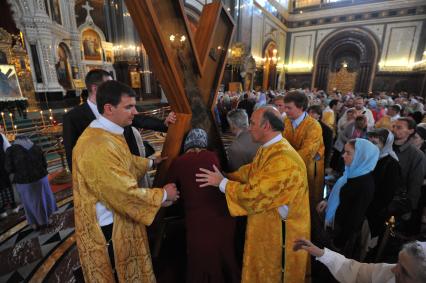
180,60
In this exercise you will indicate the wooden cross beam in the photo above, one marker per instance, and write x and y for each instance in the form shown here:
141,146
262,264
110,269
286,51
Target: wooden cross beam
188,66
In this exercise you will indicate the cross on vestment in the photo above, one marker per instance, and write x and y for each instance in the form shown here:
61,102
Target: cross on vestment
189,66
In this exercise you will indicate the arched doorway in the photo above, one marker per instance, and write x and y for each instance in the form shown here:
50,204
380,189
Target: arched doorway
63,68
270,57
349,58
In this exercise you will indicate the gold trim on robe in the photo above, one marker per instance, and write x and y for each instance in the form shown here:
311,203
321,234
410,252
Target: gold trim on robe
105,171
308,142
277,176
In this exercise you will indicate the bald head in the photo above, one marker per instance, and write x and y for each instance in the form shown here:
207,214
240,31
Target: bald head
271,115
265,124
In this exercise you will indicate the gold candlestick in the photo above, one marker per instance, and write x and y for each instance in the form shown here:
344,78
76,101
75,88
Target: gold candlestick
11,119
16,129
51,120
42,118
4,122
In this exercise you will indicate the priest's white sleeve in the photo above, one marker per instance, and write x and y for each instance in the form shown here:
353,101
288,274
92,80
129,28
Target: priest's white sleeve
351,271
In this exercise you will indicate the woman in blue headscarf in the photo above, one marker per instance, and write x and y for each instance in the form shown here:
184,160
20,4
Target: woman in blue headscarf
351,195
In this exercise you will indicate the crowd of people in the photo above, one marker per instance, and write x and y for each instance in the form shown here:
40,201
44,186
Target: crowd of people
23,164
243,218
304,169
370,148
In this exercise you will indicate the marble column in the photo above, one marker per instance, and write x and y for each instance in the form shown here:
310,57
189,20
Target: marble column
245,22
35,24
75,41
146,73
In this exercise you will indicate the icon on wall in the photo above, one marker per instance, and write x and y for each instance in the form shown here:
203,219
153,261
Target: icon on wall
9,85
56,11
92,45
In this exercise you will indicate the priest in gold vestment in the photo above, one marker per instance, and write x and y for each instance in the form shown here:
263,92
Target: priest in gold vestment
272,191
304,133
105,176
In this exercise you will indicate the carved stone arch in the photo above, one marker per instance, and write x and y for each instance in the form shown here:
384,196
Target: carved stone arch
62,65
352,40
97,50
269,43
66,48
92,26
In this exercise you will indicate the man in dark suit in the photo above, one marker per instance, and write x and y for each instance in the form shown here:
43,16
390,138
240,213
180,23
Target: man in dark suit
327,133
247,104
79,118
243,149
240,152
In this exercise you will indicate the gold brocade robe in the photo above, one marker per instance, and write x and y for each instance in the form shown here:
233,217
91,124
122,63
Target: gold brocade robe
328,118
277,176
105,171
384,122
308,142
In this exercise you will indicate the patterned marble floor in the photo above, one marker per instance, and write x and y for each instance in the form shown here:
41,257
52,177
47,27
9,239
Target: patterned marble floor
50,254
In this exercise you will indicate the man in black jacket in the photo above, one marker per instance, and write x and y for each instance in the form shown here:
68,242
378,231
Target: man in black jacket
411,161
315,112
79,118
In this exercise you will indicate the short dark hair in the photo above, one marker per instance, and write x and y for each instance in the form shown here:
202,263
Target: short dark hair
333,102
316,109
110,92
396,108
360,118
275,121
380,133
298,98
95,77
279,97
352,142
411,124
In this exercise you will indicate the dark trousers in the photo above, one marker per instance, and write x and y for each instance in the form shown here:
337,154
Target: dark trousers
6,198
107,230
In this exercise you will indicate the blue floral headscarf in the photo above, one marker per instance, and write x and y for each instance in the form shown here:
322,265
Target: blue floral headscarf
364,161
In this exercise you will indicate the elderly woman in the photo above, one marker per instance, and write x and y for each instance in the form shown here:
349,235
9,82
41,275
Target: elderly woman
350,197
210,230
411,265
26,161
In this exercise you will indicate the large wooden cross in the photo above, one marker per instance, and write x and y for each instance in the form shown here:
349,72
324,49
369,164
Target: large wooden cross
189,66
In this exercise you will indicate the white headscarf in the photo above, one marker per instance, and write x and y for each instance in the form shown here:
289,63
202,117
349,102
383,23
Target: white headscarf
387,148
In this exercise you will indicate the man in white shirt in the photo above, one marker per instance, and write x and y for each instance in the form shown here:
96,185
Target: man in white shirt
110,207
79,118
411,266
